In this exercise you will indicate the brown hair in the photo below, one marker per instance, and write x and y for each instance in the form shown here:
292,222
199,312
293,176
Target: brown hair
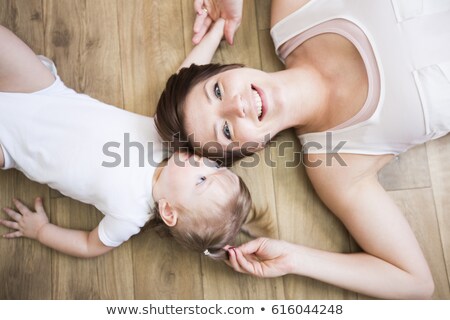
169,118
210,230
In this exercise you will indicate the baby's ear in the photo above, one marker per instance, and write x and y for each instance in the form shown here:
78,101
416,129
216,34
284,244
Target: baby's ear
167,213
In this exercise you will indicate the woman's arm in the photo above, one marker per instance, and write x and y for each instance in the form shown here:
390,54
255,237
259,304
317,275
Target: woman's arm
392,264
35,225
204,51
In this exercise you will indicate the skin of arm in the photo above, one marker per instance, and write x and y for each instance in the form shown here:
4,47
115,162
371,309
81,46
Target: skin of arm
204,51
20,69
392,265
35,225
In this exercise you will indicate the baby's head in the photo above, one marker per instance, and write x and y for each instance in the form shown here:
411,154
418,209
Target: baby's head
200,204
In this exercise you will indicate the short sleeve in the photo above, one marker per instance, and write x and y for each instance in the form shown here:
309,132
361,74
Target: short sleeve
113,232
9,161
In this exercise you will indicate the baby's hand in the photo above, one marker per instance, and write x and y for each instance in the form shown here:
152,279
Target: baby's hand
26,222
217,28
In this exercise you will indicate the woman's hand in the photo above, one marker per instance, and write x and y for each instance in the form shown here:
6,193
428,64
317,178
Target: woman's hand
229,10
263,257
25,222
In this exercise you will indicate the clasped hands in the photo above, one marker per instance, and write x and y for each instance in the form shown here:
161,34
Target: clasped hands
211,10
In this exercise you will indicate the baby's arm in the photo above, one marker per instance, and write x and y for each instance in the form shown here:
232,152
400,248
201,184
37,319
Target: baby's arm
204,51
35,225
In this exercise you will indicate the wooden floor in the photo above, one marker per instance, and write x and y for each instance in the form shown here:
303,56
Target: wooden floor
121,52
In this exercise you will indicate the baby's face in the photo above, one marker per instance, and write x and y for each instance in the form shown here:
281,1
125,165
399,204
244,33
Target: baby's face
191,182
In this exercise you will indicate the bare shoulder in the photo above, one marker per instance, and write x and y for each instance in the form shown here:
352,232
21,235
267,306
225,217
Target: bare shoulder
342,168
282,8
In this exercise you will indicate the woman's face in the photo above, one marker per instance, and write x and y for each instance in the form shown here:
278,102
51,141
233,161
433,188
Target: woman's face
233,109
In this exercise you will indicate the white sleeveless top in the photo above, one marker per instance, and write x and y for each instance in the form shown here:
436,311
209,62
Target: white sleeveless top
405,46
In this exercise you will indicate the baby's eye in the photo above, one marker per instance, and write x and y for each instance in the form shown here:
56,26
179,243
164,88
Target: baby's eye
201,180
217,91
226,131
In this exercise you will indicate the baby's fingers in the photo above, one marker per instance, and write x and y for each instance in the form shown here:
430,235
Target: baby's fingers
13,214
23,209
10,224
38,205
12,235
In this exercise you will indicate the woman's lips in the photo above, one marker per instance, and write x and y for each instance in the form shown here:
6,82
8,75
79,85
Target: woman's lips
263,100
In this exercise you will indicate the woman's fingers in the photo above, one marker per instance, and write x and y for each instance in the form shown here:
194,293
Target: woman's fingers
230,29
252,246
232,259
198,6
13,214
198,36
245,264
199,21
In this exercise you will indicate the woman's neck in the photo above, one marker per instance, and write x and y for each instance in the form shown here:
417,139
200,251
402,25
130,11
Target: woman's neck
305,93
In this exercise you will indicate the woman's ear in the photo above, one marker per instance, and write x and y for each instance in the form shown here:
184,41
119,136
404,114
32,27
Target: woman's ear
167,213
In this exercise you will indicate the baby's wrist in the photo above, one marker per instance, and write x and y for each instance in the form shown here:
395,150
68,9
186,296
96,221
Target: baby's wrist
41,231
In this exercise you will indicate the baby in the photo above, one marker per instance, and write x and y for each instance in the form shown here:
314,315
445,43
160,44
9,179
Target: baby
107,157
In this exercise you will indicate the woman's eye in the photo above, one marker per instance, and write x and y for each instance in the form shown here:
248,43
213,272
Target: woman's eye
226,131
217,91
201,180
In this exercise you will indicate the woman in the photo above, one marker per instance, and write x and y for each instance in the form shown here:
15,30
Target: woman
364,81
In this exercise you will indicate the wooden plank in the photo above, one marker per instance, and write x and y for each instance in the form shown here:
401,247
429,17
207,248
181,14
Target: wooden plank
270,61
303,219
25,270
221,282
152,48
165,270
85,48
263,14
438,154
25,19
105,277
418,207
407,171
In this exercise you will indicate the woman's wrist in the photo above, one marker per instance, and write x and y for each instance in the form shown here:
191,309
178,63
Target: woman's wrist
294,258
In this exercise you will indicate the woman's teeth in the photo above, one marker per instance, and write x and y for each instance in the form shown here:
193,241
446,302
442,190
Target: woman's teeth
258,102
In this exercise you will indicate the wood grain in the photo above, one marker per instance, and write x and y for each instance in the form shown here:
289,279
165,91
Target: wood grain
121,52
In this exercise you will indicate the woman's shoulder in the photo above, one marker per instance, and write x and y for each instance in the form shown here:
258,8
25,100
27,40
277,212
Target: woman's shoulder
282,8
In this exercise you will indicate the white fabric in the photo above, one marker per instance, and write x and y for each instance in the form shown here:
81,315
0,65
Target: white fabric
412,51
57,137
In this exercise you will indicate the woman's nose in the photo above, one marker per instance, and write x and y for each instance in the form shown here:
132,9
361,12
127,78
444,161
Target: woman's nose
235,106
